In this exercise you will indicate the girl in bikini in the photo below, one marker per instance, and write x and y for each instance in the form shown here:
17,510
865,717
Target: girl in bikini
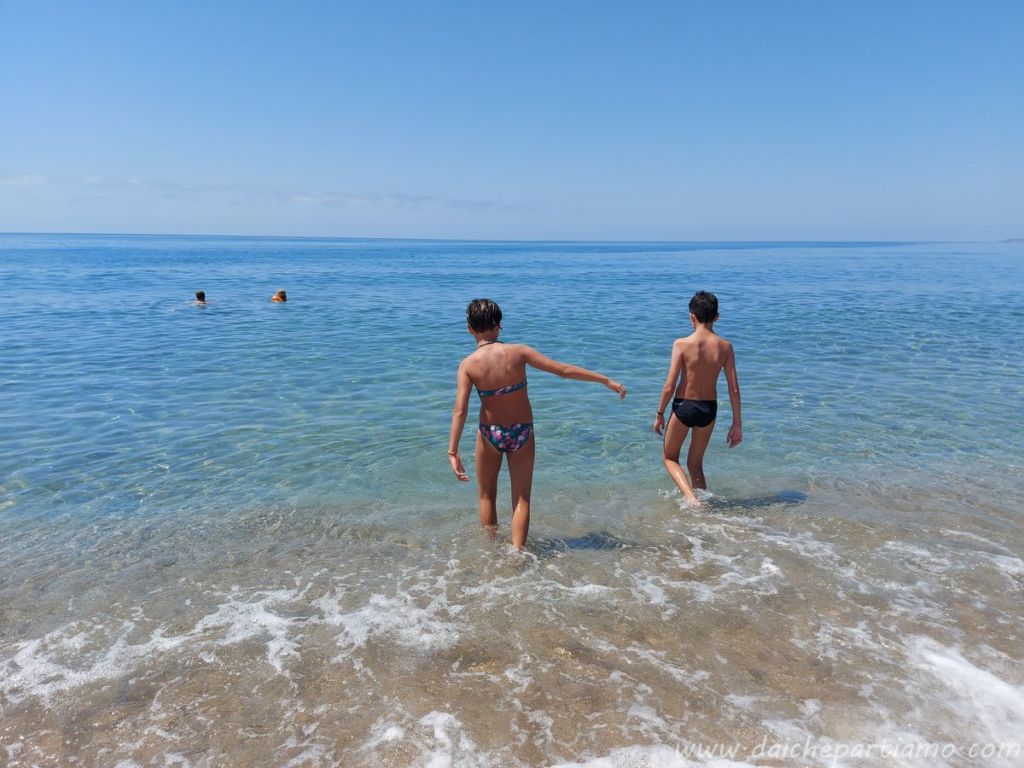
498,371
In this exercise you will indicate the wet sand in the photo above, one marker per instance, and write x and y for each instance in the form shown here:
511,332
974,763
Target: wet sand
839,614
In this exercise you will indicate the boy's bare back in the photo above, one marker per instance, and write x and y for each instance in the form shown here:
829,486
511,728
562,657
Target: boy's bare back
703,355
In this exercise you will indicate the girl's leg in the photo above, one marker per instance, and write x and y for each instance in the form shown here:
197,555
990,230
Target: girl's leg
520,469
488,464
695,456
675,434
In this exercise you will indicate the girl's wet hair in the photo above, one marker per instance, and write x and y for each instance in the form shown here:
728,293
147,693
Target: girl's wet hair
704,306
483,315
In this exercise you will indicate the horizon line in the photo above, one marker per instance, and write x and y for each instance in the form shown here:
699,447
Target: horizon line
496,240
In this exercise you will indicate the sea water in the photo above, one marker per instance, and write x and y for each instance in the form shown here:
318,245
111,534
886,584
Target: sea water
229,534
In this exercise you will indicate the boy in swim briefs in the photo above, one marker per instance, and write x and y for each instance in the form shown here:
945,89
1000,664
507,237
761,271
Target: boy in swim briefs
498,371
693,376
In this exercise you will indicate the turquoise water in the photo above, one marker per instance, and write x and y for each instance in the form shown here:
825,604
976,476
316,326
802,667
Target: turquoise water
155,452
122,395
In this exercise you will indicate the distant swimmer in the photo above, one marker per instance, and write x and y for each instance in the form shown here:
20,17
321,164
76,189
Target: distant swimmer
498,371
693,376
280,296
201,298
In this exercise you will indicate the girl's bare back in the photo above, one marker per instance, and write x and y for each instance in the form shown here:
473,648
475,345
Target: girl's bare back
496,365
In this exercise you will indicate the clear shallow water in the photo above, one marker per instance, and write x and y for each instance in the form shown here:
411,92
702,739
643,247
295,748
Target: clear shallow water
229,534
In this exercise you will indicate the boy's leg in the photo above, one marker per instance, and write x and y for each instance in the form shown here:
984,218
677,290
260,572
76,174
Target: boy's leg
520,469
675,434
695,457
488,464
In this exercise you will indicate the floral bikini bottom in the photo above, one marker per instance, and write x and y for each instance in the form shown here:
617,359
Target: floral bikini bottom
507,438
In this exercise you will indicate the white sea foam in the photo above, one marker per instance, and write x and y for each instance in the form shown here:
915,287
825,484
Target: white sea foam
420,617
652,587
541,584
54,663
304,749
651,724
742,702
919,557
1011,566
702,593
244,620
914,600
656,659
766,571
973,537
587,590
699,555
977,696
384,731
803,544
495,590
439,738
174,759
649,589
448,742
519,675
657,757
540,732
834,642
82,653
13,750
311,755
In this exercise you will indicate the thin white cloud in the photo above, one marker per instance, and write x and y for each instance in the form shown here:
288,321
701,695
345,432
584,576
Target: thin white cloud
166,189
401,200
24,180
329,199
235,194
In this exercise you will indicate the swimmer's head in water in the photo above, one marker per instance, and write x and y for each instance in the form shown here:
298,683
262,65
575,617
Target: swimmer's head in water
483,315
201,296
704,307
280,296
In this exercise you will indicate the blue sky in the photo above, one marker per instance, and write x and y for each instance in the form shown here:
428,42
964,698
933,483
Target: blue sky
528,120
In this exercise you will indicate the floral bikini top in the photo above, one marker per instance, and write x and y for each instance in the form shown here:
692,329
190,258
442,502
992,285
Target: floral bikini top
501,390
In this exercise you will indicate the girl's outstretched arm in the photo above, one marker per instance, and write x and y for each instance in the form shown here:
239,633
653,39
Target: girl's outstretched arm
566,371
463,386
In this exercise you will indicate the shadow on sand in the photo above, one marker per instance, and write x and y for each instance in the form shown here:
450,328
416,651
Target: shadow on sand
603,540
781,498
592,540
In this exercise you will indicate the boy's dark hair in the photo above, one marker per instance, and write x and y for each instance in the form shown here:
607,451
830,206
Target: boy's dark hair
483,315
200,295
704,306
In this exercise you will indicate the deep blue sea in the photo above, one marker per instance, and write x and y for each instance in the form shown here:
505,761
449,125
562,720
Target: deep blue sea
229,534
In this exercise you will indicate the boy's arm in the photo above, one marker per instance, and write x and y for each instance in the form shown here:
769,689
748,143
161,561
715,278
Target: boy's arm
566,371
735,435
463,386
675,367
